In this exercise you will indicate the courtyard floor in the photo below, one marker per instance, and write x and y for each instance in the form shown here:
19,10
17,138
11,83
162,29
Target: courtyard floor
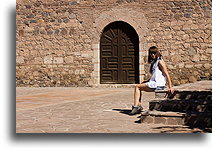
87,110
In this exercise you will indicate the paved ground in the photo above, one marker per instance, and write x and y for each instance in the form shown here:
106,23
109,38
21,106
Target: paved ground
84,110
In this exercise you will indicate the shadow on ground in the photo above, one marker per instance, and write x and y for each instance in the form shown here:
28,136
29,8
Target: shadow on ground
127,111
174,129
123,111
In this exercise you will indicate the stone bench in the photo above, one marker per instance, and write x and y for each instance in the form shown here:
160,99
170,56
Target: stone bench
181,94
182,101
195,119
186,107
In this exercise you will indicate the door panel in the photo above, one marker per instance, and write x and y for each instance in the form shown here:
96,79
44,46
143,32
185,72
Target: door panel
119,54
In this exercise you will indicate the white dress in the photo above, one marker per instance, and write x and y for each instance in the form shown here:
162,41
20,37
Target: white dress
157,79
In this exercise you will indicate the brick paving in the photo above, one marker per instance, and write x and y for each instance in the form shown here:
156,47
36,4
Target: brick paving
83,110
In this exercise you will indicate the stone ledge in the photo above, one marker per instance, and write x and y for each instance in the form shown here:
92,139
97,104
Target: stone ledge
114,86
199,105
199,86
162,114
192,119
160,94
166,118
181,90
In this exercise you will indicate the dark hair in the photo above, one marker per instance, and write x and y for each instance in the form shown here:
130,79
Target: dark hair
155,50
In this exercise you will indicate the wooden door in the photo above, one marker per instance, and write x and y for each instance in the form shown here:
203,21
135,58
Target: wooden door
119,54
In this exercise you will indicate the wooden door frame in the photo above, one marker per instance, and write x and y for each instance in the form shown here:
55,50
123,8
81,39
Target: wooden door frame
132,34
140,26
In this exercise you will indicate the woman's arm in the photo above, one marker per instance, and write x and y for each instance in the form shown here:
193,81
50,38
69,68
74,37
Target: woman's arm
164,70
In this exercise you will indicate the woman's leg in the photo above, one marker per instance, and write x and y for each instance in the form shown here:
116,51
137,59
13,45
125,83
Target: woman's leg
138,93
137,98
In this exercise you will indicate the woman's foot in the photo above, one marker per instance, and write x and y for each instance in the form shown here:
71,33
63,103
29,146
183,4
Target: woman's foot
136,110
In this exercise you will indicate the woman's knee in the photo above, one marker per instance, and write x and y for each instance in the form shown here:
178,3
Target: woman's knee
137,85
141,86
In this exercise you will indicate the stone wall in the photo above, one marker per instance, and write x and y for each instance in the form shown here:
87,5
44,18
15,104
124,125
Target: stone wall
57,41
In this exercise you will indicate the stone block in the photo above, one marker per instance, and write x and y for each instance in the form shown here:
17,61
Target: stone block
85,55
35,73
171,67
186,27
72,16
60,52
177,28
192,51
194,26
48,60
187,45
97,67
58,60
176,82
207,65
204,58
69,59
183,81
77,72
147,119
19,60
95,46
38,60
195,58
160,95
209,50
160,120
189,65
181,65
174,121
176,58
192,79
64,31
198,65
185,36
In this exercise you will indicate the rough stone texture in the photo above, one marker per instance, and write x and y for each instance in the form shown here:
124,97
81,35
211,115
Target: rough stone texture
58,41
174,121
165,118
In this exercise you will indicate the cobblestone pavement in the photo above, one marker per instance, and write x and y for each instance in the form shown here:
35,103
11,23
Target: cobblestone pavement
83,110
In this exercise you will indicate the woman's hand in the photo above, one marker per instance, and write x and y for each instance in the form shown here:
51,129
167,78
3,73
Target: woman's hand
171,90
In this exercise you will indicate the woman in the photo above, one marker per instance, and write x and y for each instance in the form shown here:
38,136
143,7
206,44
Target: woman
157,81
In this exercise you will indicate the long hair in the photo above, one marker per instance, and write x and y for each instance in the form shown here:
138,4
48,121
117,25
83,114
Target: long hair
154,50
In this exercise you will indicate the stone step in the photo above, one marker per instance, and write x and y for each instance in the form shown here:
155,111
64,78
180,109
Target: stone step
178,105
192,119
184,94
166,118
114,86
190,105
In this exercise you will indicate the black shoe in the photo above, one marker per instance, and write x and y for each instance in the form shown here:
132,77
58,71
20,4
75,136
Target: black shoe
136,110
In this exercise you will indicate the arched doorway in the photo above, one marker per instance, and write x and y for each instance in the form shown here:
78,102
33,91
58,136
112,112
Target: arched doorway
119,54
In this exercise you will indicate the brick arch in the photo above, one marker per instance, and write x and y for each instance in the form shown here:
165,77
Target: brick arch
134,18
